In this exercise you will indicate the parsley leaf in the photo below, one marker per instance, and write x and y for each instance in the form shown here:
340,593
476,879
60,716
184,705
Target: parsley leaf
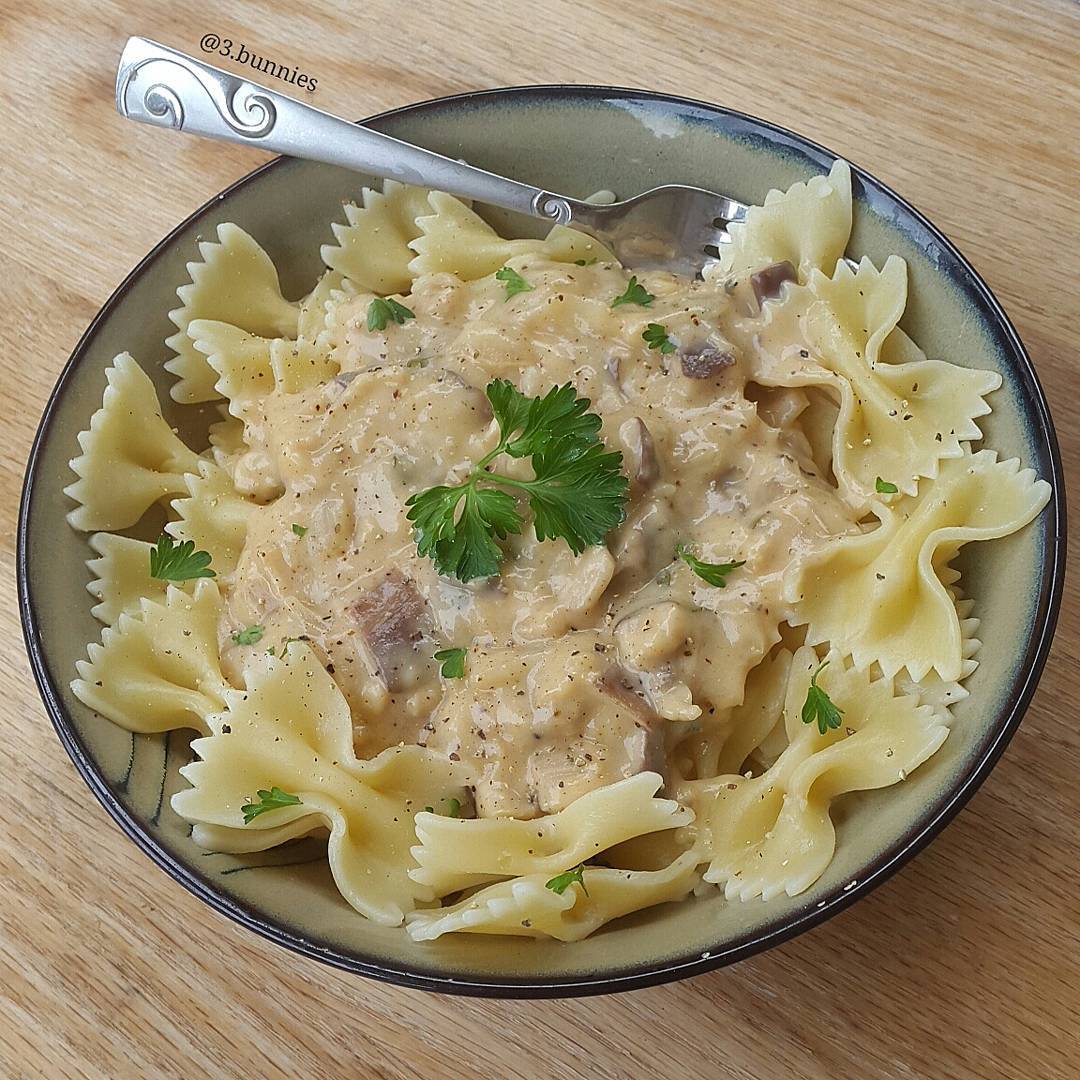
819,706
527,425
515,283
883,487
453,808
274,799
300,530
453,663
655,335
713,573
251,636
463,545
382,310
577,492
561,882
635,294
170,561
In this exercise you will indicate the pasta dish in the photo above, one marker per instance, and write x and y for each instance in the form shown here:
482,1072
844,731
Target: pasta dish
545,591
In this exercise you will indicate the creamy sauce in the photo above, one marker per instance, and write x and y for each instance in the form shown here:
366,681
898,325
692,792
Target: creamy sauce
581,670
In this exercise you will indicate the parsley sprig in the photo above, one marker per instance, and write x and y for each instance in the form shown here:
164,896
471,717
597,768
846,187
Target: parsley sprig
274,799
713,573
577,492
635,293
383,310
170,561
819,706
561,882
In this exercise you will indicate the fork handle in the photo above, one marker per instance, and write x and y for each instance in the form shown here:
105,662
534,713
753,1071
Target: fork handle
158,85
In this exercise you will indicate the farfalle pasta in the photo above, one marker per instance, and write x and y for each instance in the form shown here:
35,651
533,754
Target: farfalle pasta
158,669
879,596
130,457
236,282
540,592
290,728
772,833
896,417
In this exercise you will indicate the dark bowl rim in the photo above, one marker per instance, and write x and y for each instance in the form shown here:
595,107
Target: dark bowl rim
917,837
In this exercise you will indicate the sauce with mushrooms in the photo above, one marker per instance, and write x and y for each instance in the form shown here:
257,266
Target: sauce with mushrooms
580,670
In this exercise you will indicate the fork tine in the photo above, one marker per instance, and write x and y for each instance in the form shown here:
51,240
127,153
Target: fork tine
716,237
724,210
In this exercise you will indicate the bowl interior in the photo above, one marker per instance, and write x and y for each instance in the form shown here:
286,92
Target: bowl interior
576,141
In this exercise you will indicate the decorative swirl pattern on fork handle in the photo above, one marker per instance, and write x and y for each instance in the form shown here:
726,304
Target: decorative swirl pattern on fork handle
155,85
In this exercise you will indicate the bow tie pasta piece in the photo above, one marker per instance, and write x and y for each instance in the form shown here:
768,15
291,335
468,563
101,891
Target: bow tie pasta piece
897,420
159,669
525,907
456,240
130,457
808,226
251,367
772,833
372,250
878,597
214,516
899,413
121,576
291,730
454,854
237,283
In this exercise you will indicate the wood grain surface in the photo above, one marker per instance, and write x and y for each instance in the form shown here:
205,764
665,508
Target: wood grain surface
967,964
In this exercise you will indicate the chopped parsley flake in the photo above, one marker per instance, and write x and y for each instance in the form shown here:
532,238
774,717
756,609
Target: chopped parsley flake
655,335
514,282
453,663
383,310
561,882
170,561
818,706
713,573
252,635
635,293
274,799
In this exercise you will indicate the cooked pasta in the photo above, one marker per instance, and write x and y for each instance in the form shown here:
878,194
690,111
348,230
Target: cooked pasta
542,591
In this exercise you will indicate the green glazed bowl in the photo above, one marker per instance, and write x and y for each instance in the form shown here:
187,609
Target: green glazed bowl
574,140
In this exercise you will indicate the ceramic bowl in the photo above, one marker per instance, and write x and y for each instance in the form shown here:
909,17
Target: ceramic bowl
574,140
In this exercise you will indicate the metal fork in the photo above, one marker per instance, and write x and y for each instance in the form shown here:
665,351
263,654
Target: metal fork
673,227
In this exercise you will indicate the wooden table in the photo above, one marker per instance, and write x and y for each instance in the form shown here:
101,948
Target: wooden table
966,965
